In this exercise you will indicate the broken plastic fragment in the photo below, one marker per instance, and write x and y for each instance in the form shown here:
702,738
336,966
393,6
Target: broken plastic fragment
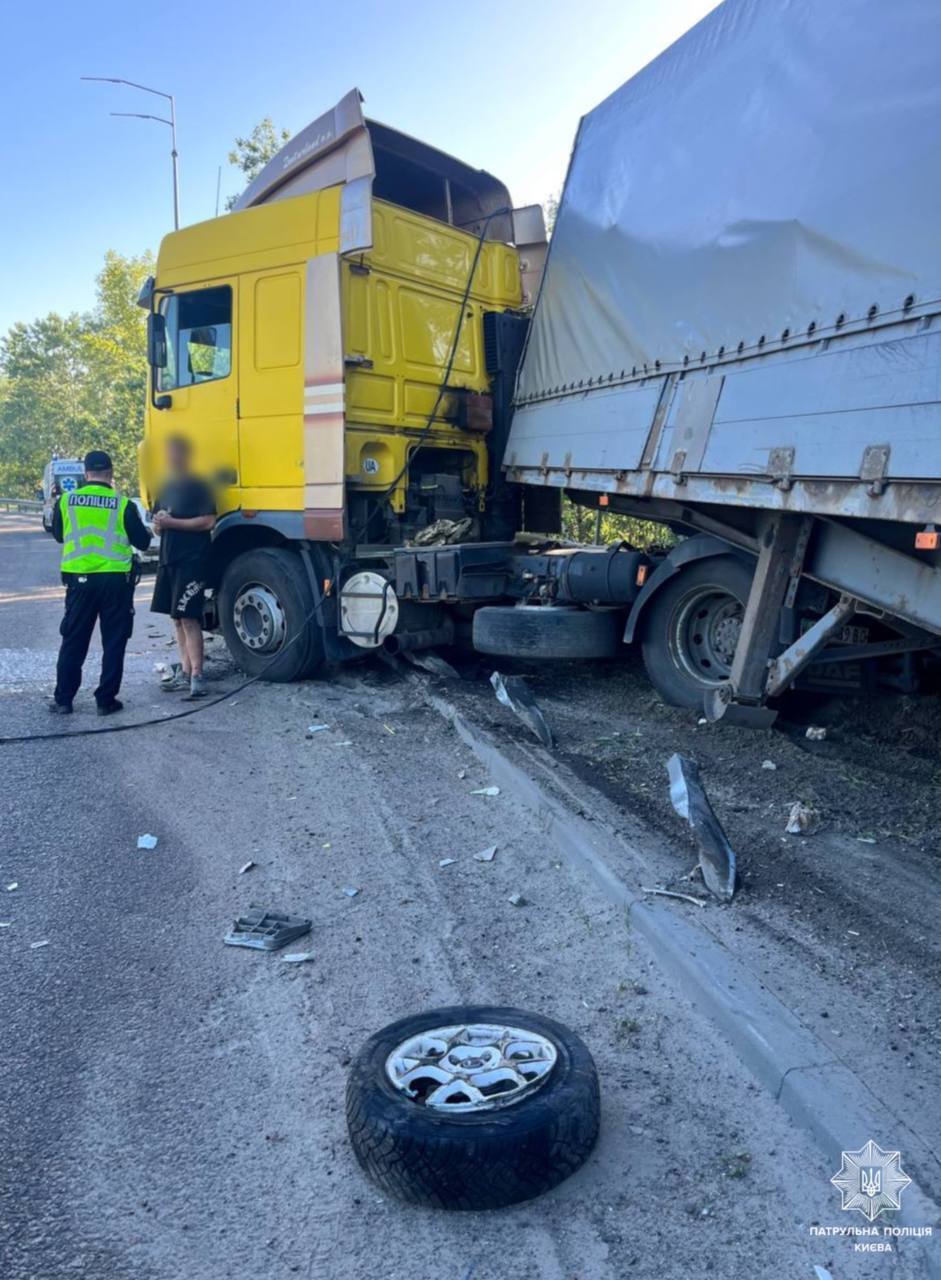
516,900
689,799
350,891
768,764
446,862
246,866
802,820
513,692
146,842
486,855
298,957
14,884
486,791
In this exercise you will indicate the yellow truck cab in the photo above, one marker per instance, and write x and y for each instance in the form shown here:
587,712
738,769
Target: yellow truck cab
327,351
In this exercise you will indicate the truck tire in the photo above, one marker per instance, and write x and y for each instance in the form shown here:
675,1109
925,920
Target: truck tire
534,1128
265,612
548,631
691,628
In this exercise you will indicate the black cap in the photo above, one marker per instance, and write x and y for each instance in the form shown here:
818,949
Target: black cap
97,460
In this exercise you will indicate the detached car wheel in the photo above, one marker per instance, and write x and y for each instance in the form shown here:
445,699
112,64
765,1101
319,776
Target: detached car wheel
472,1107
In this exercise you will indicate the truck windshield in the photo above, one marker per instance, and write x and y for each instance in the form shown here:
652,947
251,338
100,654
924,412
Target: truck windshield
199,337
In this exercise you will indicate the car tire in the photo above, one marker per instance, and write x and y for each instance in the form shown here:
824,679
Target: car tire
292,645
501,1152
548,631
685,661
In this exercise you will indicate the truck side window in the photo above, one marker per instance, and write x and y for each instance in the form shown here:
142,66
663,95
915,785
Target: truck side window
199,337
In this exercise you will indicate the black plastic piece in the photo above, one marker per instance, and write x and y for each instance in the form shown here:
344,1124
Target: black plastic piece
264,930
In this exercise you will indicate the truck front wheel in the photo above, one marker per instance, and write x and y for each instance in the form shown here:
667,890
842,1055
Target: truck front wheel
267,616
692,627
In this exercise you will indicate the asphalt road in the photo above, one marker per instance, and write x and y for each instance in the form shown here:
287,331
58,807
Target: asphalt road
171,1107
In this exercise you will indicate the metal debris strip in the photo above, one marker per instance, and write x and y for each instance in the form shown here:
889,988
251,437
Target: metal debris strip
315,728
716,856
246,866
442,532
430,662
513,692
264,930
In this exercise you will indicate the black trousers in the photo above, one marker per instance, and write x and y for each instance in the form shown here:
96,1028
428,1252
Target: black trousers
106,598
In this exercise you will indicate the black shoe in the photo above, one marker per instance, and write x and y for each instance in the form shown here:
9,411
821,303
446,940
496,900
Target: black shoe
109,708
60,708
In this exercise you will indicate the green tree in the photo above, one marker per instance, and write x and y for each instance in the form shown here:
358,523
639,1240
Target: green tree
71,383
251,154
115,346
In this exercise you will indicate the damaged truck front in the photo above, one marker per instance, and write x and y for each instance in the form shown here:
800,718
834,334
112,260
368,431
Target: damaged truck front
735,334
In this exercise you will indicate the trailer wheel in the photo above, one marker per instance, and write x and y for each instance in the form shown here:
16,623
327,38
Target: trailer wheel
472,1107
547,631
692,626
264,612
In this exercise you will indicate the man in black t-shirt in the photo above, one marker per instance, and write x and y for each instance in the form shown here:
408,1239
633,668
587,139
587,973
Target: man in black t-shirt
184,515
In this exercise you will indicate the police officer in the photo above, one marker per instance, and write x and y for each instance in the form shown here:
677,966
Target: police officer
97,528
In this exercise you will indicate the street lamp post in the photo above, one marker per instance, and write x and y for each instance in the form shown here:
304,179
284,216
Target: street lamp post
138,115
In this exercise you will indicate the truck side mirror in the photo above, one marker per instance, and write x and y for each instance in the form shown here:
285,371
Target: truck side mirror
157,340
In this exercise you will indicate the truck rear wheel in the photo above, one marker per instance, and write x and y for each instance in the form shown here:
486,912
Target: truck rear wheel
265,611
692,627
547,631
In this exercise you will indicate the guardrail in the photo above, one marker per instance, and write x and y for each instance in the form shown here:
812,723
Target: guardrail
21,504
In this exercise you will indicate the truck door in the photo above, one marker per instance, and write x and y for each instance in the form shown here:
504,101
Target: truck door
201,381
272,386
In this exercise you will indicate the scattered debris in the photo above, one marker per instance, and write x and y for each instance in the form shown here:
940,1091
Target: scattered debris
668,893
34,946
513,692
516,900
147,842
446,862
486,791
315,728
486,855
442,531
14,884
769,764
266,930
430,662
802,820
816,733
247,866
297,957
350,891
716,857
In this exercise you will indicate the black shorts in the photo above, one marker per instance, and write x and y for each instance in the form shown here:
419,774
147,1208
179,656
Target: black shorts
179,590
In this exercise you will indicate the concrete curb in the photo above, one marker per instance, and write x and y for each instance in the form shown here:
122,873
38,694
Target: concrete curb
817,1091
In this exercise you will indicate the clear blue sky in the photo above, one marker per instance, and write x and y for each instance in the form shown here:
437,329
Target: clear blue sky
501,85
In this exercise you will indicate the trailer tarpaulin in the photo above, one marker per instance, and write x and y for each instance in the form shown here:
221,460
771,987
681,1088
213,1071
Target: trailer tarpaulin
775,169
